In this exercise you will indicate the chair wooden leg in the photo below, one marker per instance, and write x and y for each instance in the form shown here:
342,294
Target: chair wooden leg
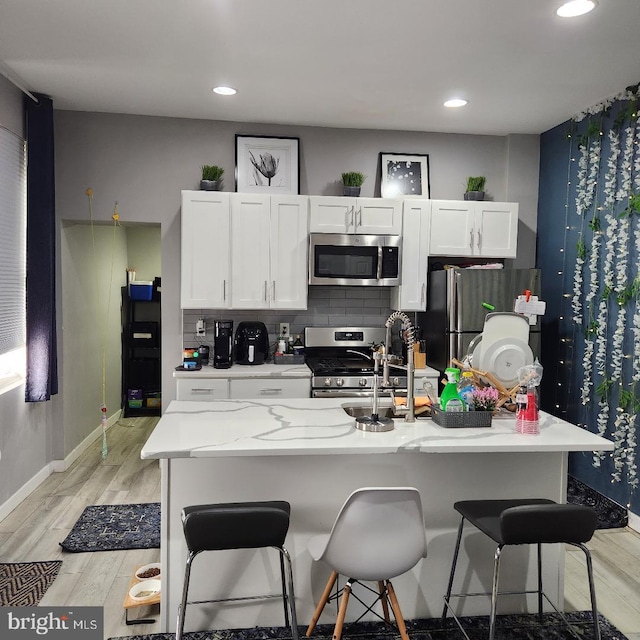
323,601
396,611
384,600
342,611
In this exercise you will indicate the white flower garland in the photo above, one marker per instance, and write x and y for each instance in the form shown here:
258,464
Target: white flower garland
576,301
609,273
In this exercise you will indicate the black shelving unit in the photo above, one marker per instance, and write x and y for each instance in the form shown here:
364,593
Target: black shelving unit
141,374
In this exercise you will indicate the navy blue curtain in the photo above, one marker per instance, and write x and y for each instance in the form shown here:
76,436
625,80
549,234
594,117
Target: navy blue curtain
42,355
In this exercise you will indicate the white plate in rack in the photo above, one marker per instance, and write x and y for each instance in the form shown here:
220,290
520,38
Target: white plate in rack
504,357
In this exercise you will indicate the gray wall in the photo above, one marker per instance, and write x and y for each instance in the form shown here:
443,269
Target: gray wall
144,162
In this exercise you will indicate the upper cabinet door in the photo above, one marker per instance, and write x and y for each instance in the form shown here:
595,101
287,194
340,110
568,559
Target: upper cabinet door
250,251
452,228
332,214
378,216
496,229
289,252
381,216
204,273
411,294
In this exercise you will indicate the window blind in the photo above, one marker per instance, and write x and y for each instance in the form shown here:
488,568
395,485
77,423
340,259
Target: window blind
12,241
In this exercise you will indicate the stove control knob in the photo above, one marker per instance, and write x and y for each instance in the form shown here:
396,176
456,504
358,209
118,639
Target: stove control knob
362,382
396,382
327,382
340,382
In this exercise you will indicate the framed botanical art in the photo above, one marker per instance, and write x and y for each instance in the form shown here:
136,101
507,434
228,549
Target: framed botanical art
403,174
266,164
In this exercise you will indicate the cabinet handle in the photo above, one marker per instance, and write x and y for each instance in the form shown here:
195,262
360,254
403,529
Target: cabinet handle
353,216
471,240
273,290
270,392
479,239
359,220
202,390
423,286
224,289
265,290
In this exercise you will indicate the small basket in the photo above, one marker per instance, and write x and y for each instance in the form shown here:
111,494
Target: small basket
461,419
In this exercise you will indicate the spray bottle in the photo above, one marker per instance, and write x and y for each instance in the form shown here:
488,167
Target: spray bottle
449,398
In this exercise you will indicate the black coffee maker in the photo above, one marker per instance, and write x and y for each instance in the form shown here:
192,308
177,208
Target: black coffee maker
222,344
251,343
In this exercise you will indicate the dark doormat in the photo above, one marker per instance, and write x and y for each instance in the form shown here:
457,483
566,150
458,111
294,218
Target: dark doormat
114,527
610,514
22,584
510,627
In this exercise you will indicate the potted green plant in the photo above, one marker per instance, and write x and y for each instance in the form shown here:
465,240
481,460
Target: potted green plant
351,183
475,188
211,177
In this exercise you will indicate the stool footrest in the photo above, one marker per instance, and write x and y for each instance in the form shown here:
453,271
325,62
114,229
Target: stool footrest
238,599
447,604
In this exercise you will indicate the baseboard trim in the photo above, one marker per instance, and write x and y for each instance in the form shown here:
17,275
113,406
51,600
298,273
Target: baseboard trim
63,465
52,467
31,485
634,521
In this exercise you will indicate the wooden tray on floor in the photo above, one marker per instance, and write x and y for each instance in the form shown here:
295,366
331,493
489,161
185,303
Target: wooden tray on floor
130,603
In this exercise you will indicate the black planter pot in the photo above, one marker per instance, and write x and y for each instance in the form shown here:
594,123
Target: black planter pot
474,195
210,185
351,191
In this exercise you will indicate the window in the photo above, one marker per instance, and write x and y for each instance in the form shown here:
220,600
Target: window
12,258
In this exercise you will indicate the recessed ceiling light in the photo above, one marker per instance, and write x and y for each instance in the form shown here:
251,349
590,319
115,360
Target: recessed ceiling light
456,102
575,8
225,91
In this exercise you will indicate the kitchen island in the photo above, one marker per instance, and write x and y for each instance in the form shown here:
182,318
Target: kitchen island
308,452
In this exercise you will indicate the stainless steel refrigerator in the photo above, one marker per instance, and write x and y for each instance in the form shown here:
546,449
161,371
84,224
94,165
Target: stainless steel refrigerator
458,301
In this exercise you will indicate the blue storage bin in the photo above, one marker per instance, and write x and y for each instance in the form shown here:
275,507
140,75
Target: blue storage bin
140,290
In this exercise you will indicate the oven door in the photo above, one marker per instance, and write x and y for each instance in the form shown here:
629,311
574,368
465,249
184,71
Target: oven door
347,393
357,260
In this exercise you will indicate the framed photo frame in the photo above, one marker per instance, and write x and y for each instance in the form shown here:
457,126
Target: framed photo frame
266,164
404,174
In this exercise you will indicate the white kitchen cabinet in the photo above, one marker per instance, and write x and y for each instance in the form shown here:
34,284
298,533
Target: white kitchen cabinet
355,215
411,294
474,229
269,251
243,251
202,389
204,260
275,387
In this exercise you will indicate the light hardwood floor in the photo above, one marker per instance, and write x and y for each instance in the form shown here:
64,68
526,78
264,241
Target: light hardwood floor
34,529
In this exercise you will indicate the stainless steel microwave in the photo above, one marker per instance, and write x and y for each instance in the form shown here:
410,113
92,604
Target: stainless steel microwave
354,260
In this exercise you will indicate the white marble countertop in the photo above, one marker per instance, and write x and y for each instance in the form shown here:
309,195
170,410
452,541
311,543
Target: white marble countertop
270,370
320,426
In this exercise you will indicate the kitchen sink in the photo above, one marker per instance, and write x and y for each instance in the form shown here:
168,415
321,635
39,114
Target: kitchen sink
356,411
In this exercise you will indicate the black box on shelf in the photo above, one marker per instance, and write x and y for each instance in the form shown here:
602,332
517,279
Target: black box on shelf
143,334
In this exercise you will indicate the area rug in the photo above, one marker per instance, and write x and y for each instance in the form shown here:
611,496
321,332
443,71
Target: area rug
610,514
22,584
114,527
511,627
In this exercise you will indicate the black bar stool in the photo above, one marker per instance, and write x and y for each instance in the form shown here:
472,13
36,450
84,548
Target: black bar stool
526,521
239,525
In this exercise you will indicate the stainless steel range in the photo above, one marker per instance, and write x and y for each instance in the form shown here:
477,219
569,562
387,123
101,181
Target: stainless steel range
341,361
